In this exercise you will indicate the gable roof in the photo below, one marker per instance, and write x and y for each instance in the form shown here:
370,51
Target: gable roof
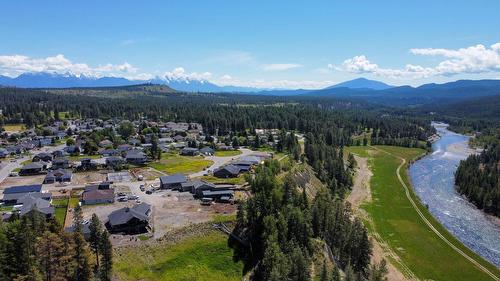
23,189
31,202
33,165
232,169
97,194
175,178
124,215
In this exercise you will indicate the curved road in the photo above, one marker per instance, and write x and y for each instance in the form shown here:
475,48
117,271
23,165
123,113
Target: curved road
429,224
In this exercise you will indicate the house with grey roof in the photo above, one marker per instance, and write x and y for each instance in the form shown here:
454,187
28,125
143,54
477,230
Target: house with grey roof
130,220
31,203
228,171
59,175
173,182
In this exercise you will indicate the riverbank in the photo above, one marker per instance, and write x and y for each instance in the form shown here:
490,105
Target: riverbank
418,252
433,182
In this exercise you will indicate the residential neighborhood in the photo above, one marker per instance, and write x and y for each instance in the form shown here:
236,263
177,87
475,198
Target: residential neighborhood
134,175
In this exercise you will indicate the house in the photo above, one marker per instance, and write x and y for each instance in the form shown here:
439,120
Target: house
45,157
72,149
87,164
105,143
190,151
115,162
14,149
124,147
103,185
59,175
225,147
253,160
228,171
3,153
13,198
136,157
179,145
30,202
130,220
110,152
60,163
196,187
93,196
207,151
13,193
219,195
59,153
33,168
173,182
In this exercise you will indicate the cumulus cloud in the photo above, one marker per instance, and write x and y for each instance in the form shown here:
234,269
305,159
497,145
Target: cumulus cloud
15,65
280,66
473,59
180,73
227,80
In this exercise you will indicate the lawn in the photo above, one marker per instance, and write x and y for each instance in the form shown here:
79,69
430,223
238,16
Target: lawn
238,180
395,222
202,257
14,127
227,153
80,157
173,163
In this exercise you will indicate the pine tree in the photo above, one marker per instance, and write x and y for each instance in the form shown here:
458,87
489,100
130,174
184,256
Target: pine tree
106,250
95,237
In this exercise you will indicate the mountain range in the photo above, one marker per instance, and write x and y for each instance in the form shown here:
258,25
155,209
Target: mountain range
54,80
361,88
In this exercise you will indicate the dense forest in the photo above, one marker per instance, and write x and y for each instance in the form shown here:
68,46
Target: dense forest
282,227
477,177
33,248
220,114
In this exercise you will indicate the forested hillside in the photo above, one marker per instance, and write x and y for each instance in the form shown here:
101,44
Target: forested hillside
218,113
477,177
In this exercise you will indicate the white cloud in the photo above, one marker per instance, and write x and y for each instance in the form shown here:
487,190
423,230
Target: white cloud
280,66
474,59
180,74
15,65
227,80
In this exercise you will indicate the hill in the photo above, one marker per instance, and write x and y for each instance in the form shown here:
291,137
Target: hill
362,83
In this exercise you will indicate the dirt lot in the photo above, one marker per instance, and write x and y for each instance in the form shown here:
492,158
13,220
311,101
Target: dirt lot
87,177
147,173
24,180
171,210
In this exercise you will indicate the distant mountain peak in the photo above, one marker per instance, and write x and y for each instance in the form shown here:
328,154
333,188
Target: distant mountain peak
362,83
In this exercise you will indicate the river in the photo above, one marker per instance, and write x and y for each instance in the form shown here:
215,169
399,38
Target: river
433,181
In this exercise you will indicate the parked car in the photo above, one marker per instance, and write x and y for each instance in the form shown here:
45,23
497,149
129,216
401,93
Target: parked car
13,174
142,187
121,194
122,199
140,177
149,192
133,197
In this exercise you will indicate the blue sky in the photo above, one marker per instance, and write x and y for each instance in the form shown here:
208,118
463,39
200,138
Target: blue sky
255,43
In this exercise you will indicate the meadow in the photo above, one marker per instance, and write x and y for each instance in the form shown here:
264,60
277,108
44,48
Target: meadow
203,256
394,222
172,163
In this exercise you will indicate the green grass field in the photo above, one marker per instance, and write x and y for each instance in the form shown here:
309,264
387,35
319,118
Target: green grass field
173,163
14,127
238,180
227,153
397,224
202,257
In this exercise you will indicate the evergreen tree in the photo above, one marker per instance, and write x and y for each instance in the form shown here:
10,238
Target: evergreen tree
106,250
